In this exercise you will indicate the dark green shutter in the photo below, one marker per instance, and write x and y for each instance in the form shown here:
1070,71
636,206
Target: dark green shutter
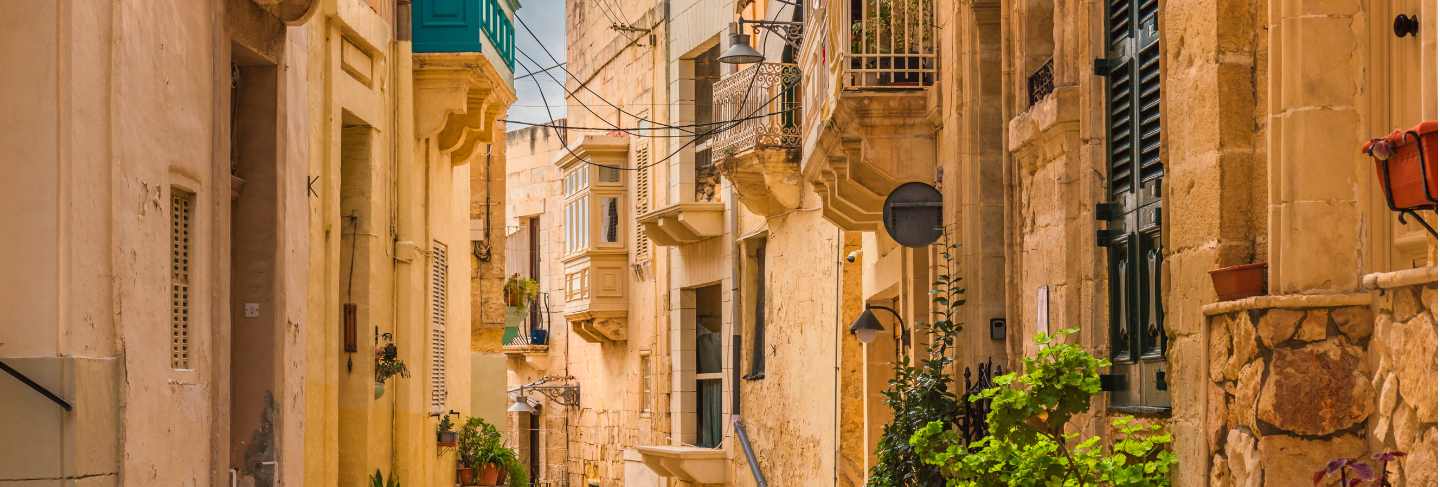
1133,211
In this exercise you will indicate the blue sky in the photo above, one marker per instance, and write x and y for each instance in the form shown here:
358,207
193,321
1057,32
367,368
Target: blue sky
547,19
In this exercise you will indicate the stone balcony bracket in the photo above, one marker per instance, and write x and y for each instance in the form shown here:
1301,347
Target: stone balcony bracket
291,12
767,181
699,466
684,223
871,143
599,326
458,99
1048,129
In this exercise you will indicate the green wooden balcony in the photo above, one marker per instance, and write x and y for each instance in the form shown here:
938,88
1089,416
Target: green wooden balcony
464,25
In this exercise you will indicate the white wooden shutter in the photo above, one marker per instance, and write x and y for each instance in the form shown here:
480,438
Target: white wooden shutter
439,282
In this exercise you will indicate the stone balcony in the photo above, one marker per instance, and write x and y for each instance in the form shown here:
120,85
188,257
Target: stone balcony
870,121
760,155
684,223
698,466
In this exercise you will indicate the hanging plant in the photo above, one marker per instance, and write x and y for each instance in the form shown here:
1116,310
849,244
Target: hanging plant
520,291
388,363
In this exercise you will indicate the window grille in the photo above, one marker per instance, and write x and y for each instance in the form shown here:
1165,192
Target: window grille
182,213
439,300
1042,82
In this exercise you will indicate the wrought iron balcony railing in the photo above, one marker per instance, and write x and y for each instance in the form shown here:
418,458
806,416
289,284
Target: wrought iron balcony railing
874,43
764,101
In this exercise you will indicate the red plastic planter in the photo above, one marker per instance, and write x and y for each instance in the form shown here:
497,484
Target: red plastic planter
1405,165
1240,281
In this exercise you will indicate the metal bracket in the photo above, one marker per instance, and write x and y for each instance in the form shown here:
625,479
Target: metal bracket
793,33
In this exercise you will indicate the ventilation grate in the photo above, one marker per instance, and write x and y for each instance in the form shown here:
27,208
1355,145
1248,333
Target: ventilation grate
182,212
439,282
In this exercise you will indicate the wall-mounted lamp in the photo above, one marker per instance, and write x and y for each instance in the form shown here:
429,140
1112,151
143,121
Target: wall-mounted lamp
867,326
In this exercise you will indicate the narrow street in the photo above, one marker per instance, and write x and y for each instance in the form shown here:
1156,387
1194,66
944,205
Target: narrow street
700,243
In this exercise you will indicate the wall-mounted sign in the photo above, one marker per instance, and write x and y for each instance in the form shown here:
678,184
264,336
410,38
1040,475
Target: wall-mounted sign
912,214
1042,309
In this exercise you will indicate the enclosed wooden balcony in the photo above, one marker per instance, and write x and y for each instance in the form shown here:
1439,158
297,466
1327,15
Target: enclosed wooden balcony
870,115
760,154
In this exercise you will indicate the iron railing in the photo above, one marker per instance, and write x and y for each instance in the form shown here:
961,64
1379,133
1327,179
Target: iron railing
973,412
880,43
763,98
1041,82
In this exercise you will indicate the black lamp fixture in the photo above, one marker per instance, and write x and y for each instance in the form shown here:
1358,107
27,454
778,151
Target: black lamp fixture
740,51
867,326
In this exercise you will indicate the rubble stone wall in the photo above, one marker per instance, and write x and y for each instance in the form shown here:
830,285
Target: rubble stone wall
1299,380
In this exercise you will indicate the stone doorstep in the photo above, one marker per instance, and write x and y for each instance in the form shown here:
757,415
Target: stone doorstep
1291,301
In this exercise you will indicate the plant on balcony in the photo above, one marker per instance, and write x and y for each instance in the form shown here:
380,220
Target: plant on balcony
445,435
520,292
1028,444
483,450
920,394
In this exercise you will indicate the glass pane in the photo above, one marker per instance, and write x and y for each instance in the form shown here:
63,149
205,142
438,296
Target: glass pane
611,229
709,414
707,345
609,175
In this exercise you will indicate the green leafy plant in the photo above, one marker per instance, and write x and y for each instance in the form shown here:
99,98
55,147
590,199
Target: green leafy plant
388,363
481,444
920,394
1028,444
378,481
520,292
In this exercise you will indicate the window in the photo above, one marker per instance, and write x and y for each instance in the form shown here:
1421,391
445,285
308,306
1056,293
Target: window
757,336
646,374
182,214
1133,211
439,280
709,380
609,174
642,202
611,229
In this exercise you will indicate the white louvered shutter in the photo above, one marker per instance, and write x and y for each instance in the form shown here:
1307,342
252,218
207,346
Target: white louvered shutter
439,281
642,202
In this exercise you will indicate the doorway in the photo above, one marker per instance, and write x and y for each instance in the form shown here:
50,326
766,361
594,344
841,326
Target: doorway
255,303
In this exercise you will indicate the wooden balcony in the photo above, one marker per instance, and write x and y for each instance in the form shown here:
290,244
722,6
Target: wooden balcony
760,154
869,118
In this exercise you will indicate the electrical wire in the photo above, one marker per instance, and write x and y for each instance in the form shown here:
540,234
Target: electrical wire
701,124
697,138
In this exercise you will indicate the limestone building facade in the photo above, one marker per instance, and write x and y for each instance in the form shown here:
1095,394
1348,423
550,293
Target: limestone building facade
1097,162
228,210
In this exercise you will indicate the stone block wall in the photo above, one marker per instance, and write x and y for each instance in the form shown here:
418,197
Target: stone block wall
1296,381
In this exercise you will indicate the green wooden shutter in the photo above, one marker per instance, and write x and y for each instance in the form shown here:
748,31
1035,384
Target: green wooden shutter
1133,210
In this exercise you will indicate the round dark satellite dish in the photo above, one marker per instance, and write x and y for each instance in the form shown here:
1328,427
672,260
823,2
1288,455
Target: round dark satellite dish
913,213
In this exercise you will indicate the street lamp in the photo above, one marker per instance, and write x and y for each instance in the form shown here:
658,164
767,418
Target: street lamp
740,51
521,405
867,326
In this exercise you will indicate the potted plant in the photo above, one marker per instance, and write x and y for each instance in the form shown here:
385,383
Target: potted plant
483,451
387,365
520,291
379,481
445,435
1405,166
1240,281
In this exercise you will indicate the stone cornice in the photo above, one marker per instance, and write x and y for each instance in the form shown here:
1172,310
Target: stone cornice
458,99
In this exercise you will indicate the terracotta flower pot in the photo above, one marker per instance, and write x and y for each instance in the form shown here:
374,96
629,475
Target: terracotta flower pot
466,475
1405,166
1240,281
489,474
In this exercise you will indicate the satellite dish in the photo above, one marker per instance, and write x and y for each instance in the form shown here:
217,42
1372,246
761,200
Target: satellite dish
913,214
